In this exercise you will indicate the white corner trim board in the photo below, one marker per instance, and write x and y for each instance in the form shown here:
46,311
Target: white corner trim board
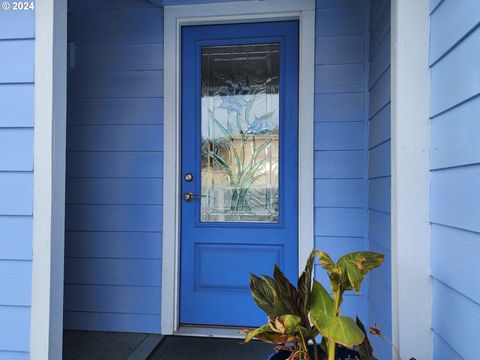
216,13
49,179
411,281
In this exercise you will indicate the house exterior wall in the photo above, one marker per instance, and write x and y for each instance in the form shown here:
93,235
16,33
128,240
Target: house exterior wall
113,239
114,156
17,47
455,174
340,141
379,173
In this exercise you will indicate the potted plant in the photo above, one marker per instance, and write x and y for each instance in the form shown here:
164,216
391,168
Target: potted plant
287,308
297,315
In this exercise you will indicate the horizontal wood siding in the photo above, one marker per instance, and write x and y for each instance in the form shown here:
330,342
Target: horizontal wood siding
17,47
85,320
114,194
443,351
340,134
379,175
455,174
451,311
447,34
115,155
456,145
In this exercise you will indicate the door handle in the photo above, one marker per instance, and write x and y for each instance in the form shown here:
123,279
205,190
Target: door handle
189,196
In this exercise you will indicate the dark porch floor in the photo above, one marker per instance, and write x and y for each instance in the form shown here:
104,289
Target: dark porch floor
93,345
201,348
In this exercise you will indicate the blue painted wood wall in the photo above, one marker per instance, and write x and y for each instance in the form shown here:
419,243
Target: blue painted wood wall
114,166
17,41
455,177
340,139
114,170
379,179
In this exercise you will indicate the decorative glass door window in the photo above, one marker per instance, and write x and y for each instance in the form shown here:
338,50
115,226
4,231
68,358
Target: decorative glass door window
240,133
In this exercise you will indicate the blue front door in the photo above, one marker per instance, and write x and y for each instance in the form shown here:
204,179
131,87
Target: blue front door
239,156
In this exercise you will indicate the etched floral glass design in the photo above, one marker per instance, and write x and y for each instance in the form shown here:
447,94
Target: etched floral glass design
240,133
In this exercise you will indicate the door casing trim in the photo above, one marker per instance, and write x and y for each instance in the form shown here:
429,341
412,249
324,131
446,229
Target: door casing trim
221,13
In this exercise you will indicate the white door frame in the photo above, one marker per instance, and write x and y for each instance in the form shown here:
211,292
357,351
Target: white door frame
220,13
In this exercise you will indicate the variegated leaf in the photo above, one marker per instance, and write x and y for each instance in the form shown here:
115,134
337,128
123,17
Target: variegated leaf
290,324
251,334
365,349
321,305
325,260
355,266
263,294
266,334
305,284
286,292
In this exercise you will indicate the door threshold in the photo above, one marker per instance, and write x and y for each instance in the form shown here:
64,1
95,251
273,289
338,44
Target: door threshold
209,331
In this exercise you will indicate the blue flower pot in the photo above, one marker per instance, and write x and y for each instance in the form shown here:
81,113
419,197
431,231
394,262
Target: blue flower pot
342,353
279,355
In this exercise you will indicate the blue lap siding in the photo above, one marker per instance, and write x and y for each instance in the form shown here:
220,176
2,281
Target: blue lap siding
340,141
379,174
114,194
455,174
115,156
17,42
114,188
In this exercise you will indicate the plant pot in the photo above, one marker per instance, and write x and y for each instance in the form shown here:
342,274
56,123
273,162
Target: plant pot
342,353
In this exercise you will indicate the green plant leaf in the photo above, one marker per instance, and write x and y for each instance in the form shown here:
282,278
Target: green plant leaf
353,274
251,334
323,345
325,260
287,293
304,284
339,329
364,260
336,279
266,334
343,330
287,324
365,349
372,260
279,308
321,305
263,294
356,265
